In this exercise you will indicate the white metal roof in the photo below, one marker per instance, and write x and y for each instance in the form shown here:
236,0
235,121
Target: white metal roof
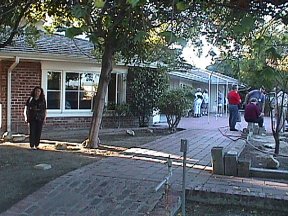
201,75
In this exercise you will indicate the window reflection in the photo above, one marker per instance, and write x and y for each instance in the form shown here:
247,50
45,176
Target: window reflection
79,90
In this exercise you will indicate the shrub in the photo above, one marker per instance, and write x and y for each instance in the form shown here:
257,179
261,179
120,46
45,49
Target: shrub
174,104
146,88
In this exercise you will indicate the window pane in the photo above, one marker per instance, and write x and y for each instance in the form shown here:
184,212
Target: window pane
72,81
112,90
87,81
53,100
54,80
71,100
87,87
85,100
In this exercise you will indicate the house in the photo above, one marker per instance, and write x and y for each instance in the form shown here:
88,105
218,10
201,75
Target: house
68,73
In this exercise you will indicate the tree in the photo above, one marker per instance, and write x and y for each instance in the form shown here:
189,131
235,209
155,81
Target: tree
132,29
135,29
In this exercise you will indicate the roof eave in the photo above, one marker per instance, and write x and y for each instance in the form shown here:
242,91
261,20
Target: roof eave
51,57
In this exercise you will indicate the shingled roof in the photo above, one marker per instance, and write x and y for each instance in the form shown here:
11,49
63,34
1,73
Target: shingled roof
51,46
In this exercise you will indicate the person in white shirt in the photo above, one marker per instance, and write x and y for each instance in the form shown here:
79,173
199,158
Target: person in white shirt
197,103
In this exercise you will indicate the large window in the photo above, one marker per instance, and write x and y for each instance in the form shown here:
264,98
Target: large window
80,89
70,91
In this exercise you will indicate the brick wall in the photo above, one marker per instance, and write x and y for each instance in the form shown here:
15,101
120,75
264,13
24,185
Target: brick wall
85,122
25,76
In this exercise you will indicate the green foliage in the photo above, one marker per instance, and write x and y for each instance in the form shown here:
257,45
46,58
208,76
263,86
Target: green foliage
146,88
119,111
99,3
12,23
122,109
264,64
174,104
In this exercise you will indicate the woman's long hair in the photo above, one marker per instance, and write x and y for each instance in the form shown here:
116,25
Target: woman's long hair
42,96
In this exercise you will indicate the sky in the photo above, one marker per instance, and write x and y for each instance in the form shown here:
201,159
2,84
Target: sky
191,57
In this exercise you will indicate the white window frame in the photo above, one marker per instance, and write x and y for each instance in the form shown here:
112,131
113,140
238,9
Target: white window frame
65,67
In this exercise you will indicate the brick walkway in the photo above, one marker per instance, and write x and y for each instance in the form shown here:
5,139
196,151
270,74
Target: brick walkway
126,185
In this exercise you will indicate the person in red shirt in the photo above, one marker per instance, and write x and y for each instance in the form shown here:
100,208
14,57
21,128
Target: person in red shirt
234,101
253,113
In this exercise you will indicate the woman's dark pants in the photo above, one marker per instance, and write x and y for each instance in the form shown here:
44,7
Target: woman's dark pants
35,133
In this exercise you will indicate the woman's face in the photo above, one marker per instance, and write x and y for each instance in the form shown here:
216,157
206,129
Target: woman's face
37,92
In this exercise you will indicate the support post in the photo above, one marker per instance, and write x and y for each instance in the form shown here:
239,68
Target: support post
184,148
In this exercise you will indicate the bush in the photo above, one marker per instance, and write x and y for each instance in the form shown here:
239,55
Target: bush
174,104
146,88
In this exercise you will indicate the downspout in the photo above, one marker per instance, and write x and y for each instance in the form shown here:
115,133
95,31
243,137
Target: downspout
9,92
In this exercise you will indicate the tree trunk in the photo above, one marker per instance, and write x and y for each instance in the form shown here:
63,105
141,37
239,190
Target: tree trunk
105,76
277,144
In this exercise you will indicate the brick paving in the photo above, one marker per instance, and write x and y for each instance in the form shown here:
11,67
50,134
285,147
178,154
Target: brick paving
125,185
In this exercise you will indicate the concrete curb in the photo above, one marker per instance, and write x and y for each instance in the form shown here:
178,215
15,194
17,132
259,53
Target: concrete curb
268,173
237,199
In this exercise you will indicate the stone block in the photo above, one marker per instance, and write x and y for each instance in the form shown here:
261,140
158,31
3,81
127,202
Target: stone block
43,166
256,129
217,155
244,168
18,137
61,146
130,132
230,163
272,163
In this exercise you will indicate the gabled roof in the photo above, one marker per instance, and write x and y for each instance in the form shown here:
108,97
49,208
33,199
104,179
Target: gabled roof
51,46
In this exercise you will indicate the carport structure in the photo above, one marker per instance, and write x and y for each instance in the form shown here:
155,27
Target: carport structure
217,85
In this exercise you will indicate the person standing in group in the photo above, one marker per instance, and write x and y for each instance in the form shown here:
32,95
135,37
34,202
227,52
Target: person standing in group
259,95
205,102
220,103
197,103
35,115
234,101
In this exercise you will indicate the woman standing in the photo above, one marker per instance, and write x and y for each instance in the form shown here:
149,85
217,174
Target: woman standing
35,115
